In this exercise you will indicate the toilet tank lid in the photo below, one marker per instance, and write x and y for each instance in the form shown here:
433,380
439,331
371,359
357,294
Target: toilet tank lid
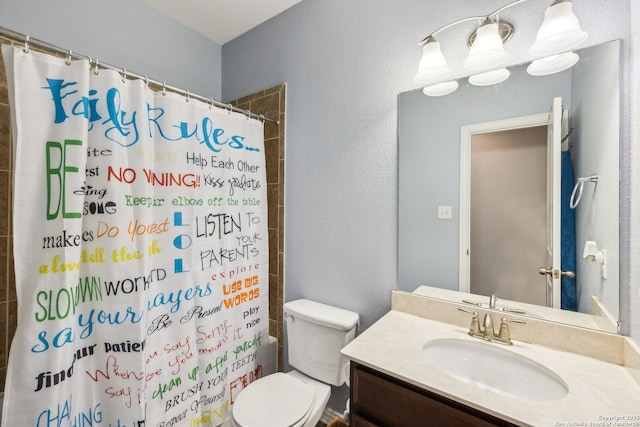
322,314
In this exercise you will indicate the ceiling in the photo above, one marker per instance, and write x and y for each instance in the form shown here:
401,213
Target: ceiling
220,20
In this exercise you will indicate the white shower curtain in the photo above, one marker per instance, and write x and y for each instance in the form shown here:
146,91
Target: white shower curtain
141,251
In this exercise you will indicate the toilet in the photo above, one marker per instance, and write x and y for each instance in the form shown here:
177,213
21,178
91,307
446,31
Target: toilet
315,335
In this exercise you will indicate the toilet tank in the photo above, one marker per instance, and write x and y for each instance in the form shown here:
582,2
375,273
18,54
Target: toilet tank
315,335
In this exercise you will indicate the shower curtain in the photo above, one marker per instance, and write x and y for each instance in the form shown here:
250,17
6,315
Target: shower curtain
141,251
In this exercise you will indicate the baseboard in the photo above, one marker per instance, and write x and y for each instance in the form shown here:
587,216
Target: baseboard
328,415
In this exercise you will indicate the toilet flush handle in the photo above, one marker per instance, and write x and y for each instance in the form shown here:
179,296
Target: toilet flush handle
289,318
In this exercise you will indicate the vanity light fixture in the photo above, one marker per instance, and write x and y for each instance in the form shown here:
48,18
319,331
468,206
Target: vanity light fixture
560,32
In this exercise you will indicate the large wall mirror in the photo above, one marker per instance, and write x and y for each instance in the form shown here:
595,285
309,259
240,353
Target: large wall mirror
475,211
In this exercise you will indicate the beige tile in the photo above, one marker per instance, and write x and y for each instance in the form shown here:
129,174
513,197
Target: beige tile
271,159
12,320
4,268
3,377
11,281
281,230
281,182
5,202
5,137
273,297
282,135
272,196
4,94
4,339
273,250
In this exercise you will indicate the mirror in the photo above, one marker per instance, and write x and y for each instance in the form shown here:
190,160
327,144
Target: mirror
433,235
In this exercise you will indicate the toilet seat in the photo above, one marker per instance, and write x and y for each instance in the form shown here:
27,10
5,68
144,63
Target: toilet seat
277,400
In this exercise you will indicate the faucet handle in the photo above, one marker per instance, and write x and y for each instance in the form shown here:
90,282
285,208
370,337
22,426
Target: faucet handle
474,328
504,334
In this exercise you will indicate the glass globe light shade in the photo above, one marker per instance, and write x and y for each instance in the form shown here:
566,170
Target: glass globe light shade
560,31
487,50
552,64
433,66
441,89
490,77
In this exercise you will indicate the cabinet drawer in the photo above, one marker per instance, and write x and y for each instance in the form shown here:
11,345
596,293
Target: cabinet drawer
387,402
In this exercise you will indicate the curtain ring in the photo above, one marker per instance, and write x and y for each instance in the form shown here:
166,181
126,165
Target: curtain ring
210,103
26,44
230,109
186,97
124,75
262,118
146,81
68,61
164,89
95,68
248,114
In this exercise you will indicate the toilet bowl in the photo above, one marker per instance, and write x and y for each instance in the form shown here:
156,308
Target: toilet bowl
315,335
281,400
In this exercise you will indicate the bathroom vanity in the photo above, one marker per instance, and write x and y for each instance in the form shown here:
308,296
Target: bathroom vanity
397,381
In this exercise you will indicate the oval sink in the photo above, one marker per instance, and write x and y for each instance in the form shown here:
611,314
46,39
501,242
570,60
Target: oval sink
495,369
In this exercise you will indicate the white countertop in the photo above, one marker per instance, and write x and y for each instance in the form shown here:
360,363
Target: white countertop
597,390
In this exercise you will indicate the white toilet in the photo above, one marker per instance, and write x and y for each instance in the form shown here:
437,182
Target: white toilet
315,335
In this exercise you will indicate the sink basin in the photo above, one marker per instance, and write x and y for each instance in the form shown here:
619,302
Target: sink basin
495,369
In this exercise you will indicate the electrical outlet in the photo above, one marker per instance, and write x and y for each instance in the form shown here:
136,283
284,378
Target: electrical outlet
444,212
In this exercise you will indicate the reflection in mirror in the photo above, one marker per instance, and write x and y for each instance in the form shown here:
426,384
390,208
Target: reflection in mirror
450,245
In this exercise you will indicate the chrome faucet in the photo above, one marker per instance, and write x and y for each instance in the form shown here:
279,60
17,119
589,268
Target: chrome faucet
487,331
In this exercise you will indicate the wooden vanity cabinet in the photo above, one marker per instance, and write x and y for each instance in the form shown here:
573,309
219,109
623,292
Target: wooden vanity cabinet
378,400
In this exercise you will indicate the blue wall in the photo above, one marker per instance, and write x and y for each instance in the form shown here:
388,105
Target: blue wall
125,34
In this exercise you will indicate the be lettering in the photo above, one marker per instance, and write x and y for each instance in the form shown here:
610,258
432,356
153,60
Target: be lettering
57,170
161,322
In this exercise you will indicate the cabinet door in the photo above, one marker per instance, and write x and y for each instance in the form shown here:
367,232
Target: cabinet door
356,421
386,402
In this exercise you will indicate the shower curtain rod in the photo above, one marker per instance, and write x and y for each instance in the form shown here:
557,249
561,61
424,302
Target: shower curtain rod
28,41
